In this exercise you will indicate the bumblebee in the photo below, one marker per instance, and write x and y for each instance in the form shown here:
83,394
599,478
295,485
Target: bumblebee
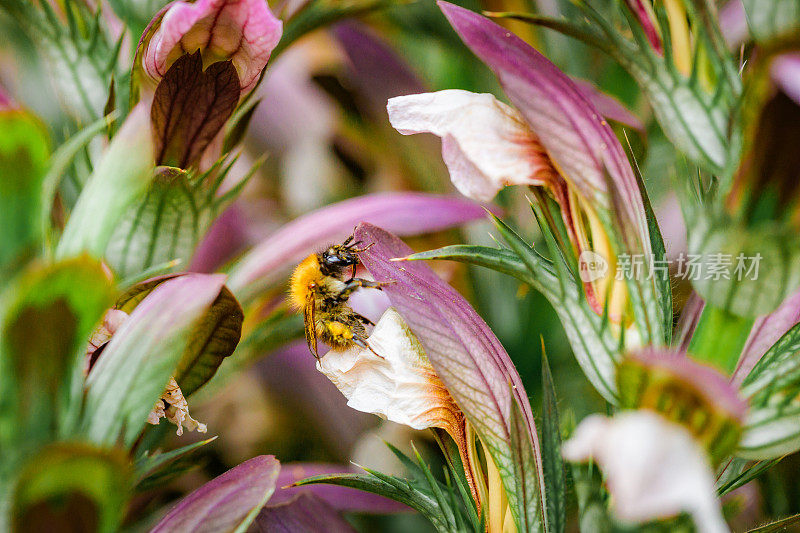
320,287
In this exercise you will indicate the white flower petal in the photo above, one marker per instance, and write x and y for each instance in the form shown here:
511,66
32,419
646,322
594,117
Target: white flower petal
485,143
653,468
399,384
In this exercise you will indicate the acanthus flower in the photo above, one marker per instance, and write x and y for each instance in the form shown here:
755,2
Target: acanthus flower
653,468
394,380
242,31
194,63
554,138
439,366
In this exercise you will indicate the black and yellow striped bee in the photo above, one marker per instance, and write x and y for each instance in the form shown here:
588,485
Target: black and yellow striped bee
320,287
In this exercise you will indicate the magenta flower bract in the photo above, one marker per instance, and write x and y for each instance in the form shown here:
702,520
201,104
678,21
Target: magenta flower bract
244,31
468,359
404,213
226,502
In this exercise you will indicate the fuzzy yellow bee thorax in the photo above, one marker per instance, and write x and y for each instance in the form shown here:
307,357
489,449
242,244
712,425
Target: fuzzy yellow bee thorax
306,277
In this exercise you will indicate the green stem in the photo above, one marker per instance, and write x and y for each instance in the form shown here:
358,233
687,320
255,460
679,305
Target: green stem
719,338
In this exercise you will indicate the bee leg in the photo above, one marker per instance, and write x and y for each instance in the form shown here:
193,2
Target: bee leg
364,320
351,285
364,344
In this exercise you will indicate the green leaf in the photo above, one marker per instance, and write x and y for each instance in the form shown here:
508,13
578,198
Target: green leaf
747,475
552,462
117,181
595,347
708,138
772,427
47,316
155,470
787,524
70,487
592,341
165,225
214,338
24,151
529,511
504,261
139,359
59,164
772,20
762,264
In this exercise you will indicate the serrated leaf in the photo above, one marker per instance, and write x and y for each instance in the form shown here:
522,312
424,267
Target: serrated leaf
595,348
387,486
137,362
68,486
503,261
552,462
772,428
786,524
762,265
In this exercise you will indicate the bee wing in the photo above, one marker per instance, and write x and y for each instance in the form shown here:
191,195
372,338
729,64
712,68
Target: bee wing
310,324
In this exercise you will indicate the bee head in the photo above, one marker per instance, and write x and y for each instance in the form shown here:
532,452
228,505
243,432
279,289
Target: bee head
340,256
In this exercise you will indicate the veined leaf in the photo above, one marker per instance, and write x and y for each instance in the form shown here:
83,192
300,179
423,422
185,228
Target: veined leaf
141,356
167,224
552,462
761,266
595,347
214,338
772,428
190,107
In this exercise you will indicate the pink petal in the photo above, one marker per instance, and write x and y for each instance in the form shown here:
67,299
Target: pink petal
244,31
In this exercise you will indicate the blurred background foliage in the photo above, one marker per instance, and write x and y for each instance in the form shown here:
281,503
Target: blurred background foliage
322,125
